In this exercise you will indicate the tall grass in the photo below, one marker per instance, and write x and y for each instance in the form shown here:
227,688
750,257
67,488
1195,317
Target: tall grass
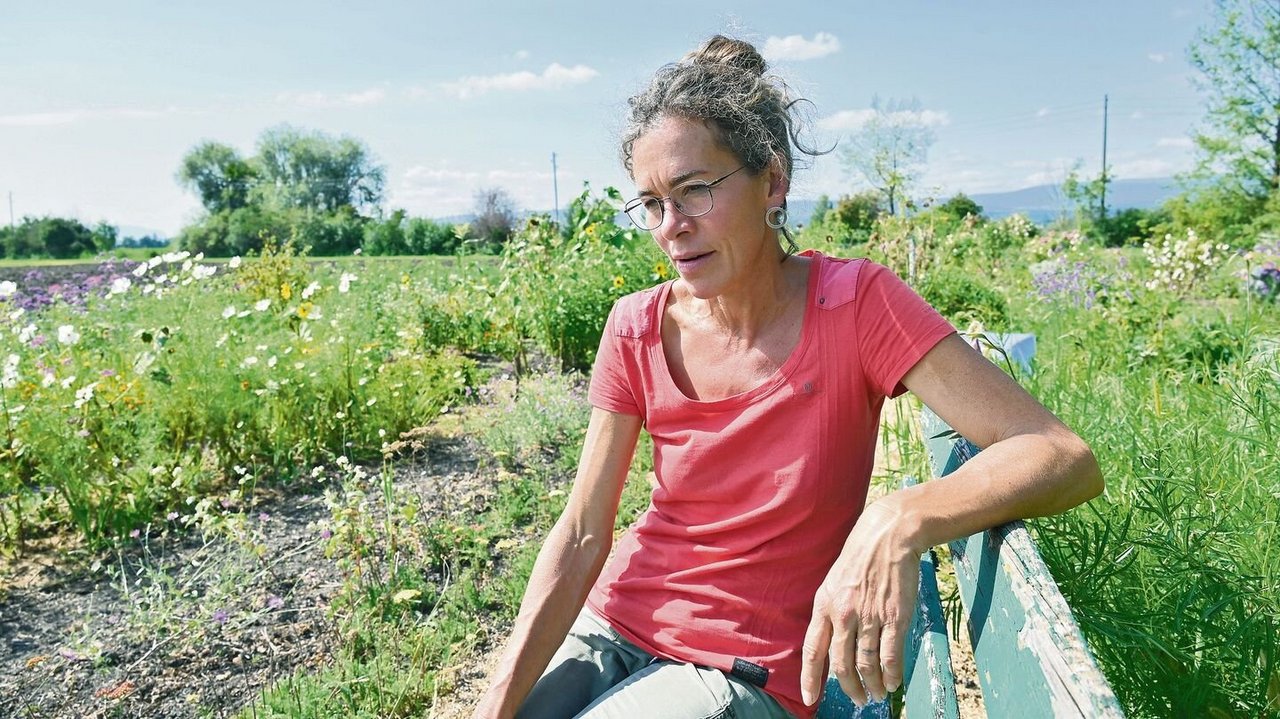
1174,575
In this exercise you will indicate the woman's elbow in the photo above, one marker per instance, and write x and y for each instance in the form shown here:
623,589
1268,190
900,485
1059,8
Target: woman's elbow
1086,475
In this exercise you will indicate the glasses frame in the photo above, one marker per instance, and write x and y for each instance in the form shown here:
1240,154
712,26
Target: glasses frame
662,201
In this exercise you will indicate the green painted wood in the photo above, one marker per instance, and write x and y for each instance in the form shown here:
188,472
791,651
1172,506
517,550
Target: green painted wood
1031,656
929,686
930,683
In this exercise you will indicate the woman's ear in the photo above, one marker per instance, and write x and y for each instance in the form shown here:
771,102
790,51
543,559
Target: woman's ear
779,184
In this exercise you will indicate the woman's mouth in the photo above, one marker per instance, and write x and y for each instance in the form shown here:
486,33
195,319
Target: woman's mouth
691,262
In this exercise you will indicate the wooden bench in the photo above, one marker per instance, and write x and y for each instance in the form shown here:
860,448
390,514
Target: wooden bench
1031,658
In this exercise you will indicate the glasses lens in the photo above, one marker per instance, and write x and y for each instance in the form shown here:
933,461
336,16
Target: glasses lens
646,213
693,199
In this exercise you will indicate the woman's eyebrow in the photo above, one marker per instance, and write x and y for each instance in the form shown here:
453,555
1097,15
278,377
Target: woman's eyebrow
675,181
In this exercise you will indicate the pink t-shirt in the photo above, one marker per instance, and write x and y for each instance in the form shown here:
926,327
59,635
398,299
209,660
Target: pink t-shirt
755,493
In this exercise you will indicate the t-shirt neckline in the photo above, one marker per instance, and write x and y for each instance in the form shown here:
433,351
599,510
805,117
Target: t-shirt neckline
771,383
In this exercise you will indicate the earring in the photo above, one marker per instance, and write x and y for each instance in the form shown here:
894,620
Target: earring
776,217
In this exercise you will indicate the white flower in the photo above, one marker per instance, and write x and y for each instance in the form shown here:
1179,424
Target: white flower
249,361
9,376
67,335
66,383
143,362
14,315
372,401
229,312
272,361
84,394
344,282
120,284
261,305
203,271
26,334
310,289
234,262
140,270
222,340
7,289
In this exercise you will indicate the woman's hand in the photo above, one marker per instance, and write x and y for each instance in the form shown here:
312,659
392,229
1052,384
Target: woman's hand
863,609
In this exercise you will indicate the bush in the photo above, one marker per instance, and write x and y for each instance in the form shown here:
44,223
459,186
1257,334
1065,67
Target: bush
962,299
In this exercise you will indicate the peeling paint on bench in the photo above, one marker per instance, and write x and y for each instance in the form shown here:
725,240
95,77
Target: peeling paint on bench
1032,658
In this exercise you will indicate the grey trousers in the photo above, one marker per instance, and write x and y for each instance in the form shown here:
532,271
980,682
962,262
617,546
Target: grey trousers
598,674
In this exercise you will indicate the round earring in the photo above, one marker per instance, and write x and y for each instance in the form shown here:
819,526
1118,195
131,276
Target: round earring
776,217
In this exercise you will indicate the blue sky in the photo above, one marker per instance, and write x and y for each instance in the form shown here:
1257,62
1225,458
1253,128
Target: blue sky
101,100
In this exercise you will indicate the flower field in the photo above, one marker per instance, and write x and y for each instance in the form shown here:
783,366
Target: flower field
177,395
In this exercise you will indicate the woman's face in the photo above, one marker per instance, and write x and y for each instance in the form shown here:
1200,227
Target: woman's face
722,251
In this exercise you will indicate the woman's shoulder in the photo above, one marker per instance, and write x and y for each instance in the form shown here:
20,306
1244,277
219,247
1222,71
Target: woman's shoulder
840,277
634,314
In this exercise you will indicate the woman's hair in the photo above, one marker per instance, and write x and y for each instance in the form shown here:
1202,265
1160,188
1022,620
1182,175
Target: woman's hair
724,84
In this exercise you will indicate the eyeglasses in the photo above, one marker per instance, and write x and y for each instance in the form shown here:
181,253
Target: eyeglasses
692,199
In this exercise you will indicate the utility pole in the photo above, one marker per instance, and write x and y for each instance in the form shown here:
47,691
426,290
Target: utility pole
555,187
1102,210
11,210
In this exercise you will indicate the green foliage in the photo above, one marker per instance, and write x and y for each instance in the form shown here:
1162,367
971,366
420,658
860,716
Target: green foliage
963,299
218,175
56,238
1173,574
312,171
958,207
858,213
561,290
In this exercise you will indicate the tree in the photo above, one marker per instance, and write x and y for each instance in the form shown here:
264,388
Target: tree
820,210
890,148
495,220
218,175
859,212
311,170
1238,57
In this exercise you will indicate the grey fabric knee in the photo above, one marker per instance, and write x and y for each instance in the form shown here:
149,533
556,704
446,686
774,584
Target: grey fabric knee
598,674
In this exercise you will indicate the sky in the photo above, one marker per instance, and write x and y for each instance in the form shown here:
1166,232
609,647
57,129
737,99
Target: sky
100,101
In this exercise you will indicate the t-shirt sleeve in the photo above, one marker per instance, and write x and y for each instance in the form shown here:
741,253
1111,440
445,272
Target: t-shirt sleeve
895,328
611,386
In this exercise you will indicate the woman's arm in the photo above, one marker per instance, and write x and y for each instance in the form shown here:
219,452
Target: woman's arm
1031,465
568,564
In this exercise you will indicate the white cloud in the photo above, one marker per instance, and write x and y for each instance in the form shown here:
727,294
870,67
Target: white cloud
851,120
554,77
796,47
68,117
1147,167
372,96
1182,143
1042,112
1157,57
522,54
444,190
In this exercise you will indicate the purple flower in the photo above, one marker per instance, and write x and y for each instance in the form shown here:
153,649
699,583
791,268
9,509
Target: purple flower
171,516
108,373
263,516
274,602
220,616
135,533
325,533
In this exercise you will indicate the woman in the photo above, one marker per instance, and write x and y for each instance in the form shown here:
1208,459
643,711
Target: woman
760,375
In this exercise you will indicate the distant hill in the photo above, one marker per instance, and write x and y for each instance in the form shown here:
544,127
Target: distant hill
1044,203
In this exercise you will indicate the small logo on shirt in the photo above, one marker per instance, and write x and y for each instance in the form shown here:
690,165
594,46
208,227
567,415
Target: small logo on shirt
808,387
748,672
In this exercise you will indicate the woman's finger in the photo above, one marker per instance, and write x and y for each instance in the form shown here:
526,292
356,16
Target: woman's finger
891,652
844,663
867,660
813,669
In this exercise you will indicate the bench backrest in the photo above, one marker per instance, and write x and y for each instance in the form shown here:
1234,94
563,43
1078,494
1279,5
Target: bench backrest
1031,657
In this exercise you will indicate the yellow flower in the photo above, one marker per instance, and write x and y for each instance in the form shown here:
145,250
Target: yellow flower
404,279
618,282
286,291
304,309
660,270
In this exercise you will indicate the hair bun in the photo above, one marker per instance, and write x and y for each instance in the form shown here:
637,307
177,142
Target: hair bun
721,50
